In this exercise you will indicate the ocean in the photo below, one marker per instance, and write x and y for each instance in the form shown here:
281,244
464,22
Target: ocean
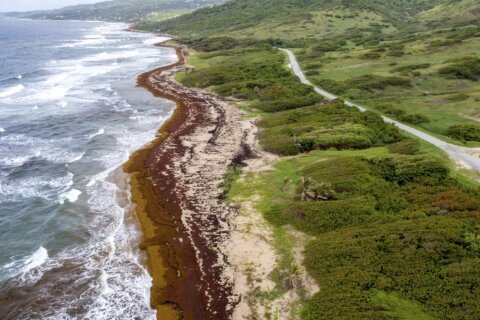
70,116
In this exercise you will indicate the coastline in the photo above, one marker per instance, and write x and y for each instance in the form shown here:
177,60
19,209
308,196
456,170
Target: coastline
175,189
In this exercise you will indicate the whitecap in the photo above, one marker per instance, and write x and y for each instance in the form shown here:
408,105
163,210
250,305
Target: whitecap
2,130
19,77
71,196
153,41
62,104
98,133
24,265
35,260
104,56
11,91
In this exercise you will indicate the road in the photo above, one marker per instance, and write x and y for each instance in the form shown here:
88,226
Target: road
465,157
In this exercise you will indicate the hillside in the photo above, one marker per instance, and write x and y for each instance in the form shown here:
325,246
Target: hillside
122,10
393,57
241,14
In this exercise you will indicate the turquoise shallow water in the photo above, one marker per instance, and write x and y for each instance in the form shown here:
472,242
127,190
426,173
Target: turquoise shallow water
70,115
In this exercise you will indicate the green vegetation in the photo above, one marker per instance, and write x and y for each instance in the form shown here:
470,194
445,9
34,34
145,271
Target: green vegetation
410,54
390,242
145,12
232,174
255,73
401,114
465,133
395,230
466,68
324,127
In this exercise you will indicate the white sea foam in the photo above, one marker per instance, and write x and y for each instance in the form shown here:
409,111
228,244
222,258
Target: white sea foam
98,133
26,264
88,42
35,260
71,196
28,148
62,104
152,41
2,130
58,85
11,91
104,56
19,77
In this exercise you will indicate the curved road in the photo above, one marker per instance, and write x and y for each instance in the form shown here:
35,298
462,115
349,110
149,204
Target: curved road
466,157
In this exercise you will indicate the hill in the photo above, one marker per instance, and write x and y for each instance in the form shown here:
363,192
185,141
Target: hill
241,14
122,10
401,58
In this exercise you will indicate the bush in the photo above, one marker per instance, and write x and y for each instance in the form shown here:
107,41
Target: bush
404,70
414,118
323,127
465,68
253,73
373,82
312,73
402,116
457,97
323,216
329,45
407,146
464,132
404,168
371,55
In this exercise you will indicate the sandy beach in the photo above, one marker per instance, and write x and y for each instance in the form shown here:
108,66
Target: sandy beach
175,187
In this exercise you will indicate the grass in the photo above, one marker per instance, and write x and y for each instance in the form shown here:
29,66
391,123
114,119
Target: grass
315,25
446,102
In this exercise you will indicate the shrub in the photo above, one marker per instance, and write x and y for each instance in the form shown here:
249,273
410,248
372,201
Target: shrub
404,168
404,70
329,45
373,82
401,114
323,216
465,68
414,118
407,146
313,66
457,97
371,55
312,73
464,132
325,126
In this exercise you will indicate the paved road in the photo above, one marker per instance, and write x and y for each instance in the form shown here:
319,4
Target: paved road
467,157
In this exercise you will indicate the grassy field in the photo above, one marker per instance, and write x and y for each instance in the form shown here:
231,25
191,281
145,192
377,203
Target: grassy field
443,101
315,25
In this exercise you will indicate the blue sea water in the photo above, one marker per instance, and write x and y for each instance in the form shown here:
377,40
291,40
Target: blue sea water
70,115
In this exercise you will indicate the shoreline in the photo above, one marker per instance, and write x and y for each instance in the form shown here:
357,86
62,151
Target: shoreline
178,202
